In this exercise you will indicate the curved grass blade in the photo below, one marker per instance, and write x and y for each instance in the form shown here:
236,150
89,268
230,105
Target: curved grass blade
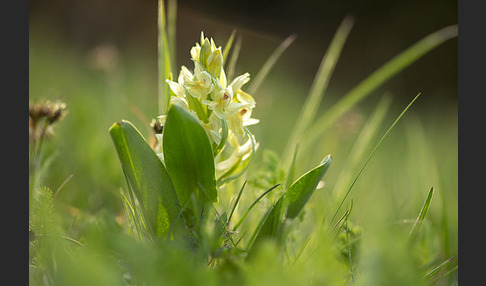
378,77
371,155
363,141
230,68
300,191
146,176
268,65
189,157
436,270
237,201
422,214
252,205
270,227
319,85
290,176
228,45
224,137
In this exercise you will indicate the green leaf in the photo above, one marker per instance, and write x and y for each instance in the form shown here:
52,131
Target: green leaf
196,105
146,176
300,191
189,157
224,137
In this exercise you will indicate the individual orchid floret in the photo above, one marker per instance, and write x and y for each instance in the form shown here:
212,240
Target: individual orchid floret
239,81
239,120
214,62
198,85
221,99
176,88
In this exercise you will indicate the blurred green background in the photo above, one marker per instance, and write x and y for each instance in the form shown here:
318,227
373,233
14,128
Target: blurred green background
100,58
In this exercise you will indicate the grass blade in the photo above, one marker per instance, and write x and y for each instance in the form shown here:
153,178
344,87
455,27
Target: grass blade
228,45
371,155
361,145
237,201
436,270
252,205
171,31
422,214
378,77
230,68
268,65
270,227
290,176
319,85
164,66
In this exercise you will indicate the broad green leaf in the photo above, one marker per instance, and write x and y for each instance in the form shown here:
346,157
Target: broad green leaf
189,157
300,191
146,176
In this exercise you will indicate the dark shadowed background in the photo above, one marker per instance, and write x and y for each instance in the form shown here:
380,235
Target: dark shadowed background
382,29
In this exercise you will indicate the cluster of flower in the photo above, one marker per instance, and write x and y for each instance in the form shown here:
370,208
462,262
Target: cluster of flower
223,109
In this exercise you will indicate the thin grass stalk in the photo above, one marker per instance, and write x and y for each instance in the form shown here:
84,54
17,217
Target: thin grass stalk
269,63
171,32
319,85
252,205
371,155
232,60
228,45
362,143
164,66
422,214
